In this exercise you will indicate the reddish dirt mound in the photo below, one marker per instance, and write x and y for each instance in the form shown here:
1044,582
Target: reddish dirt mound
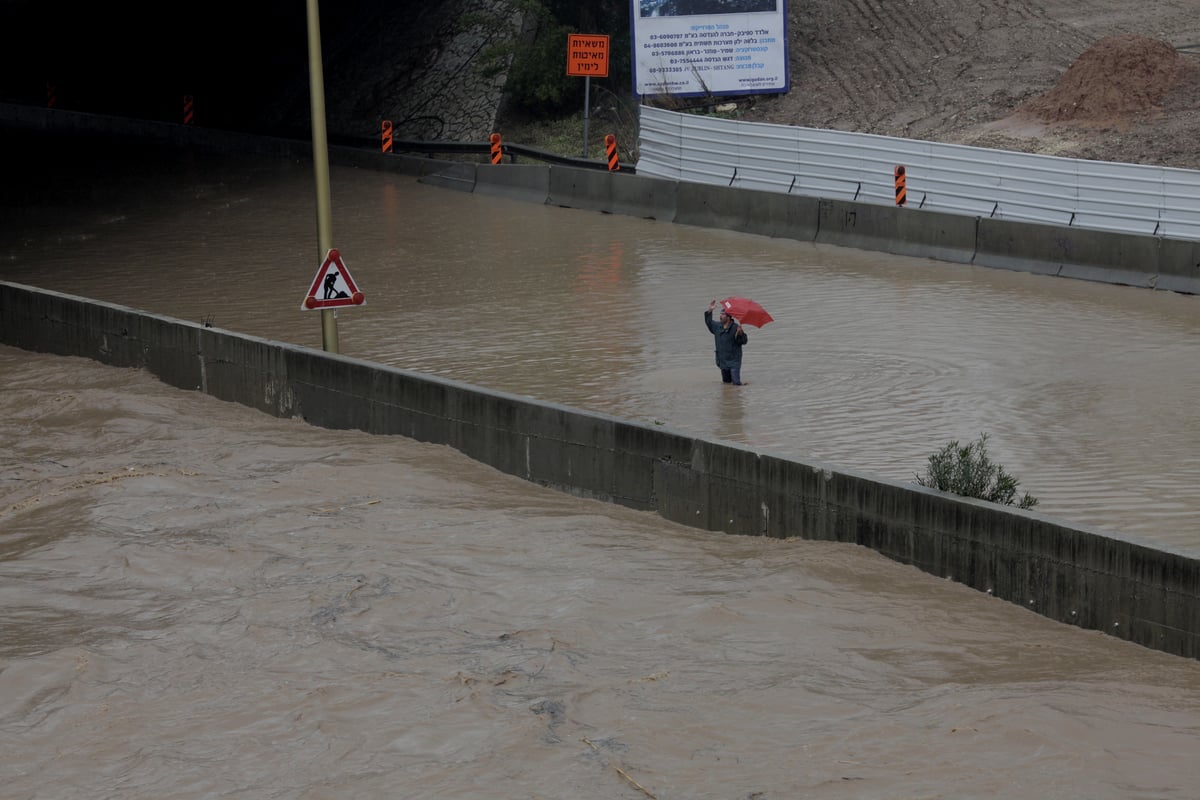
1115,78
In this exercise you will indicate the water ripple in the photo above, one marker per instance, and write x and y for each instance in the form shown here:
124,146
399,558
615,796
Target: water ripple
874,361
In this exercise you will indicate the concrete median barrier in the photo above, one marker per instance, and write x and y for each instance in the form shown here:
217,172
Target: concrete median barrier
590,190
644,197
902,231
1179,266
1104,256
459,176
529,183
747,210
1077,576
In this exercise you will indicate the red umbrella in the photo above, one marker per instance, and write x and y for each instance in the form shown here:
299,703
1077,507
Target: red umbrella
746,311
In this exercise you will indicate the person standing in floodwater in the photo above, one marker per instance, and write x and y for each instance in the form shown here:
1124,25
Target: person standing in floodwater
729,337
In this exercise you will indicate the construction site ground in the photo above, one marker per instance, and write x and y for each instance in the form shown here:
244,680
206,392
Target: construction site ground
1111,80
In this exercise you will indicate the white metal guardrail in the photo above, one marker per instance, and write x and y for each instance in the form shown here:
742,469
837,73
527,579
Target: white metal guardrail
975,181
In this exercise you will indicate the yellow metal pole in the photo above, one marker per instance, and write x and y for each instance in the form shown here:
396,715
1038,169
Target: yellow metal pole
316,91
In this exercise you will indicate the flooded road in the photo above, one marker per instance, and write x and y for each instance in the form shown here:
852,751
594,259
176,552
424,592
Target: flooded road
1087,391
198,600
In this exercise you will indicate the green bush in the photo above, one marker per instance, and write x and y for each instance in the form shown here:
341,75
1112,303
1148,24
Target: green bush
967,471
535,59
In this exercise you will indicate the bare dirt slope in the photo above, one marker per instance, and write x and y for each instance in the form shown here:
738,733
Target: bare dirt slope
979,72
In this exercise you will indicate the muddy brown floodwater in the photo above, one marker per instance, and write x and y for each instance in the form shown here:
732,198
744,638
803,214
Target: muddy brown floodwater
198,600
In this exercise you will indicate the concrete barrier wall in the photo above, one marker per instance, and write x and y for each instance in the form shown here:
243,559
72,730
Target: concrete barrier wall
1179,266
529,183
591,190
747,210
645,198
1144,261
904,231
1077,576
1091,255
613,193
1130,259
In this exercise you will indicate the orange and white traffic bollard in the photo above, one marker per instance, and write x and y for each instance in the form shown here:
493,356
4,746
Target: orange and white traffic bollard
189,110
497,150
386,142
610,149
901,187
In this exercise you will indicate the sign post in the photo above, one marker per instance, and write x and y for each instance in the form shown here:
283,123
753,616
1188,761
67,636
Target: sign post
587,55
316,91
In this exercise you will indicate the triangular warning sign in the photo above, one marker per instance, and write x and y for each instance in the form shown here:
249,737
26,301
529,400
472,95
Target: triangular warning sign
333,287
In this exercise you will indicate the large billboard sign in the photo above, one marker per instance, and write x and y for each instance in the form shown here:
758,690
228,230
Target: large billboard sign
693,48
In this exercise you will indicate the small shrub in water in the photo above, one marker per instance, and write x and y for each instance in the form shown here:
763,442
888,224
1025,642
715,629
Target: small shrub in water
967,471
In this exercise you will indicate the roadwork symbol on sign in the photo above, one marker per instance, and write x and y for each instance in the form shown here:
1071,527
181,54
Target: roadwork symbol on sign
333,287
